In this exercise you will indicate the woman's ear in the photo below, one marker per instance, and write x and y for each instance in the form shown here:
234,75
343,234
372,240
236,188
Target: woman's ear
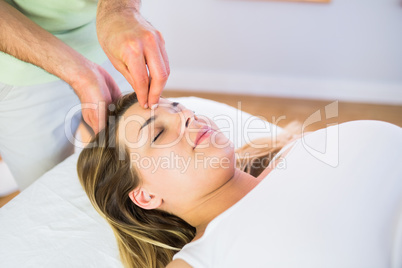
142,198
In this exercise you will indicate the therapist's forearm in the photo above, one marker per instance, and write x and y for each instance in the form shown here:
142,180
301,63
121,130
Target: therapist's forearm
106,7
27,41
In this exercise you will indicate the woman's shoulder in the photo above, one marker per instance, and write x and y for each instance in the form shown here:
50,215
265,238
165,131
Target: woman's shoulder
178,263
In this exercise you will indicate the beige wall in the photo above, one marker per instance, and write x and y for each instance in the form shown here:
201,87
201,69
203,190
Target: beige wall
346,49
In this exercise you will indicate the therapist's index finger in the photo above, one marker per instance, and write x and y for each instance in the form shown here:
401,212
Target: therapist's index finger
153,98
158,77
139,74
156,86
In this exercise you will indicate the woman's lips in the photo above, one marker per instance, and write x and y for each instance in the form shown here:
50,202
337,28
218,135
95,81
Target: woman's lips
202,135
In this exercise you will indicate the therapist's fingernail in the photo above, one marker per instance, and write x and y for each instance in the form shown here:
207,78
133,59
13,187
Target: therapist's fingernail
146,106
153,107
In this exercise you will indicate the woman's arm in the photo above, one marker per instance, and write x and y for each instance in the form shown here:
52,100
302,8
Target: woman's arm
178,263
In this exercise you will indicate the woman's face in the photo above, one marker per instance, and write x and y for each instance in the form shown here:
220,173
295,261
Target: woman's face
181,157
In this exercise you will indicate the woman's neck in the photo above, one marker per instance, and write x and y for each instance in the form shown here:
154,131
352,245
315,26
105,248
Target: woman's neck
220,200
240,184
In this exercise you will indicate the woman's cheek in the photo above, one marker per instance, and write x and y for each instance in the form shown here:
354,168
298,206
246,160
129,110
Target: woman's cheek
220,141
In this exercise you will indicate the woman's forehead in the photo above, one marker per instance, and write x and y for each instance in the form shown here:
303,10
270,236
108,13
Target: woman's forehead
138,110
134,118
164,101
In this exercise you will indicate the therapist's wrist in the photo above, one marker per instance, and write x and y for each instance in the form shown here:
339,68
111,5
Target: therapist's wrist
107,8
82,77
65,63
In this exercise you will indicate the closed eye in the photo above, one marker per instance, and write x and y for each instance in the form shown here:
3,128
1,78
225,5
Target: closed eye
157,136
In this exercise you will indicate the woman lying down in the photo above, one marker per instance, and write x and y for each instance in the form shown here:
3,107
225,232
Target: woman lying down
205,208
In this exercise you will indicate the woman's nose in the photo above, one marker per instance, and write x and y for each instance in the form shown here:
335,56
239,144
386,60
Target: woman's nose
180,120
188,117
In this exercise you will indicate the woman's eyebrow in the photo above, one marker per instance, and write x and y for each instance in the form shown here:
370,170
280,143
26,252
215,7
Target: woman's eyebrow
152,118
149,120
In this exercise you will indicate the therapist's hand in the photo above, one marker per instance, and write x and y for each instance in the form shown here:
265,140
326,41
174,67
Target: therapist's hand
134,47
96,89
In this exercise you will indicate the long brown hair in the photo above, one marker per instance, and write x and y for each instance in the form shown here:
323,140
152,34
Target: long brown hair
255,157
146,238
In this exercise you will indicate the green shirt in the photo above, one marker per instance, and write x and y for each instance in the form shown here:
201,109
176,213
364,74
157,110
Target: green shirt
72,21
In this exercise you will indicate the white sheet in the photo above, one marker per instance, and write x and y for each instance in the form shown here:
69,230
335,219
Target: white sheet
52,223
311,214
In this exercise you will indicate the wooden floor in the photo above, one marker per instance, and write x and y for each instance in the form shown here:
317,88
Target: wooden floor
4,200
285,110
